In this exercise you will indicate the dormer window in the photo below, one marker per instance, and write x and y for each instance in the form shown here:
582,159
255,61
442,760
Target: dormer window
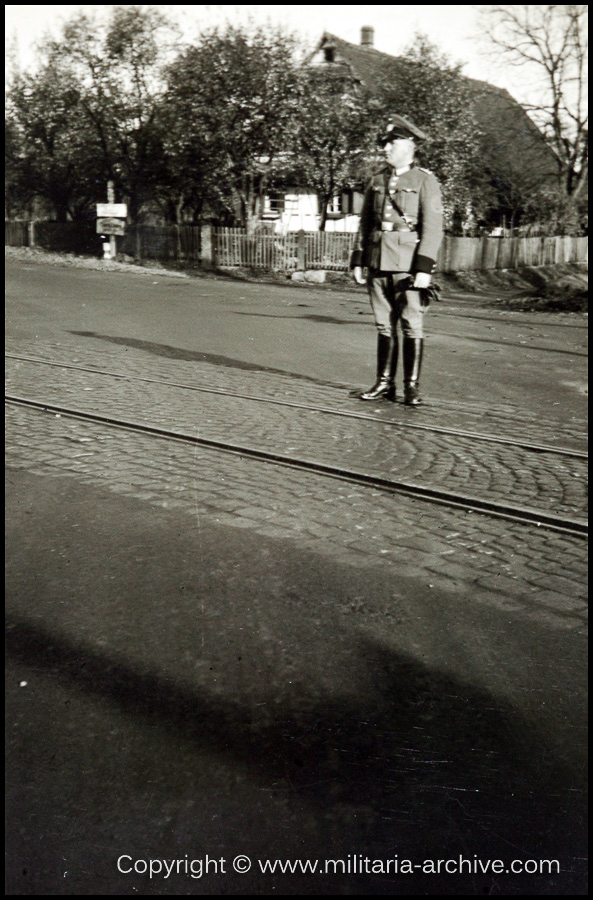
329,54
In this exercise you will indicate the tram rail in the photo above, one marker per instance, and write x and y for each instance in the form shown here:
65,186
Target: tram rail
524,515
439,429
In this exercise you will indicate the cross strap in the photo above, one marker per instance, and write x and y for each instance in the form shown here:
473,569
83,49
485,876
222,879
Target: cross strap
400,212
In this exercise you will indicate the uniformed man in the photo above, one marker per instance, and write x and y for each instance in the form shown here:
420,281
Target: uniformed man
400,232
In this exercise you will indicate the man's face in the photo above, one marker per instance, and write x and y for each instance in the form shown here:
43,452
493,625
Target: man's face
400,152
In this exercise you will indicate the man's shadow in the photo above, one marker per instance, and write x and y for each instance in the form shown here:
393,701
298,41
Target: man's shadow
420,766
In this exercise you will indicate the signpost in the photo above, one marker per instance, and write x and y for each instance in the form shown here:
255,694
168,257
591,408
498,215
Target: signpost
111,226
112,210
111,221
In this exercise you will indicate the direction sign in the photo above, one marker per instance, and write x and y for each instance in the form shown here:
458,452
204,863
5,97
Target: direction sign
117,210
111,226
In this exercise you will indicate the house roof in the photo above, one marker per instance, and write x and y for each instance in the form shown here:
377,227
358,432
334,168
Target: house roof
507,128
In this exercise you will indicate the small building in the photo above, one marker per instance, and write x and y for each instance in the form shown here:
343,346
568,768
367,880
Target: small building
508,133
511,140
296,210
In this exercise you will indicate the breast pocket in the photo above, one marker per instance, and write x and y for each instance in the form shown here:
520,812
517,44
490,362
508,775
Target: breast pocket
407,200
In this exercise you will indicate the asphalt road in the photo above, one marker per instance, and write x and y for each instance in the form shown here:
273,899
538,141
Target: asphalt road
530,361
209,658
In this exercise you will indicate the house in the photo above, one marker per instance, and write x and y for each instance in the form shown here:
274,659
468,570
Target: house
512,143
296,209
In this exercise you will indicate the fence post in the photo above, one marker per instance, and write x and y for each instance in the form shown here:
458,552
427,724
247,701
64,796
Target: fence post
301,250
207,247
137,243
31,230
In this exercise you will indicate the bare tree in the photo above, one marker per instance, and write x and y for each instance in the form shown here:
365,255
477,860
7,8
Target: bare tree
551,41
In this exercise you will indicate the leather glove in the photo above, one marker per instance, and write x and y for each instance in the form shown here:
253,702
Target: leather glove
422,280
427,295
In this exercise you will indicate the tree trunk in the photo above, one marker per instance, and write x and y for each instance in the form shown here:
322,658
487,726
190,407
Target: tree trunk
323,204
251,220
197,213
244,210
570,219
250,204
61,210
133,208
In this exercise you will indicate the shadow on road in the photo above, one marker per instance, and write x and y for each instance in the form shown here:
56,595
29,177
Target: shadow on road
213,359
418,766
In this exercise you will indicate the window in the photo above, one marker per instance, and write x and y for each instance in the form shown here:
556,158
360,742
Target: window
335,205
274,203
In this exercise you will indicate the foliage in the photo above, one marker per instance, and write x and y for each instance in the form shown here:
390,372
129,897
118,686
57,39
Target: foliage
333,138
549,45
91,112
49,151
206,130
119,72
429,89
232,101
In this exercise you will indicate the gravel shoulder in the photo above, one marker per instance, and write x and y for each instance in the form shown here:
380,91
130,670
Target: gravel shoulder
546,289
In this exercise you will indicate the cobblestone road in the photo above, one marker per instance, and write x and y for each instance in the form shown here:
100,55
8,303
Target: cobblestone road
203,634
481,469
512,567
500,563
160,361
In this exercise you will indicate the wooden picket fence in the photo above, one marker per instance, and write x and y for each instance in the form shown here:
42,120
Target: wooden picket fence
165,242
331,251
233,247
16,234
328,250
286,253
459,254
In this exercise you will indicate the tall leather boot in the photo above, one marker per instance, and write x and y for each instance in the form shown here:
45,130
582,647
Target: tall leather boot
384,387
412,359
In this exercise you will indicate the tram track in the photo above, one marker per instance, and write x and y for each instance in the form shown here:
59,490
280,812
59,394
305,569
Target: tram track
519,514
523,345
412,426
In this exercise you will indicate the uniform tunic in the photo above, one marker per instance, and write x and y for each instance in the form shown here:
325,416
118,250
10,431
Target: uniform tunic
418,197
414,225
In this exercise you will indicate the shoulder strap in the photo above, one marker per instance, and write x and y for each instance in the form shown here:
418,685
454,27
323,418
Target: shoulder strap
400,211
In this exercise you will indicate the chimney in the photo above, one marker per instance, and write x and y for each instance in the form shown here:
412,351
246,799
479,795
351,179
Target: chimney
367,36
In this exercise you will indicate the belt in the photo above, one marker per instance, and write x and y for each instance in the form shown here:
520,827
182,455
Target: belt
394,226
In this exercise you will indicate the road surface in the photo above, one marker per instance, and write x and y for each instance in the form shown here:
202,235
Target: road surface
274,680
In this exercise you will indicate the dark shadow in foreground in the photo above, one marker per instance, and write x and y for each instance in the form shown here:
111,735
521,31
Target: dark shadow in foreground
420,766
